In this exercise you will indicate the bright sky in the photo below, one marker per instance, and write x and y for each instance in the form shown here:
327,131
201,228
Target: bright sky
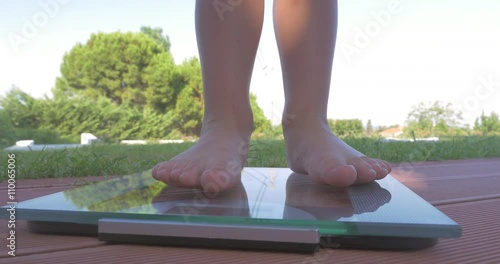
427,50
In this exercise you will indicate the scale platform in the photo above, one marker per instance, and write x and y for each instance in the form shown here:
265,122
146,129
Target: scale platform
272,209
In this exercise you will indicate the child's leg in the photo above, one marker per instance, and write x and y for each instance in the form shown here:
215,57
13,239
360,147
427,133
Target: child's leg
227,53
306,33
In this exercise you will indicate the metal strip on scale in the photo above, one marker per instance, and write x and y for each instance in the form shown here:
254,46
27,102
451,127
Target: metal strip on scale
239,236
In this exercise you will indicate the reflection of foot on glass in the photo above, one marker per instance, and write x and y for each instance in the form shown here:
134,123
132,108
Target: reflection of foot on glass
305,33
191,202
368,197
308,201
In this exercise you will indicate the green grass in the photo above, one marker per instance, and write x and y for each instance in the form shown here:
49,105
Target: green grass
106,160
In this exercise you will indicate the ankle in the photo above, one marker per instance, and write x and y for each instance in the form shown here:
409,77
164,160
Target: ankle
291,121
243,126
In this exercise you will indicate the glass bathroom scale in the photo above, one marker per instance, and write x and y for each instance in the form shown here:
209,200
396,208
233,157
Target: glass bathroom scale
272,209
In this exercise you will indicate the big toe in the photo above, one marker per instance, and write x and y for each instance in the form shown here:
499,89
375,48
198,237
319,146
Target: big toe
161,171
340,175
332,172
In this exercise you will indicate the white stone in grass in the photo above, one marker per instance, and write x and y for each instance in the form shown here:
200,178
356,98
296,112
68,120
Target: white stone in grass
168,141
25,143
134,142
87,138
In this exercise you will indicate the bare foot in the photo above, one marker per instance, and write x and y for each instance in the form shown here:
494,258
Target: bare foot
314,150
214,163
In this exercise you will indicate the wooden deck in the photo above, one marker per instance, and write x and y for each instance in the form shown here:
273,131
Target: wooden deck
468,191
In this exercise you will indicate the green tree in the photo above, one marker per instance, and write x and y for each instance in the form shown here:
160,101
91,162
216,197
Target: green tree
160,75
6,129
121,67
346,127
157,34
22,117
21,108
119,86
189,104
487,124
102,117
262,125
432,119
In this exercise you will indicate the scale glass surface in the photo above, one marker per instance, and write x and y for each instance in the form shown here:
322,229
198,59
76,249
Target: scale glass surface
273,208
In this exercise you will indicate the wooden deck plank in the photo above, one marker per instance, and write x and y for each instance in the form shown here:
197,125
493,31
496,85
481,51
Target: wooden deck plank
30,243
440,181
437,191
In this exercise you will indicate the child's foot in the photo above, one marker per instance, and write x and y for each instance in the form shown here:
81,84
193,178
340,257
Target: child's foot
314,150
214,163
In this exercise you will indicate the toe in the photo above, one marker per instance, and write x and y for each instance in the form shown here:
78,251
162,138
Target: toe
364,170
189,177
177,170
340,175
386,168
161,171
331,172
378,166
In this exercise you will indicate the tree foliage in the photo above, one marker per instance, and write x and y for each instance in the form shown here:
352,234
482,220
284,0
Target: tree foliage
6,129
119,66
189,105
116,86
21,119
262,125
22,109
104,118
487,124
157,35
346,127
432,119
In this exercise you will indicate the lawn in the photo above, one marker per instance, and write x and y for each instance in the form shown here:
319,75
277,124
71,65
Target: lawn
107,159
